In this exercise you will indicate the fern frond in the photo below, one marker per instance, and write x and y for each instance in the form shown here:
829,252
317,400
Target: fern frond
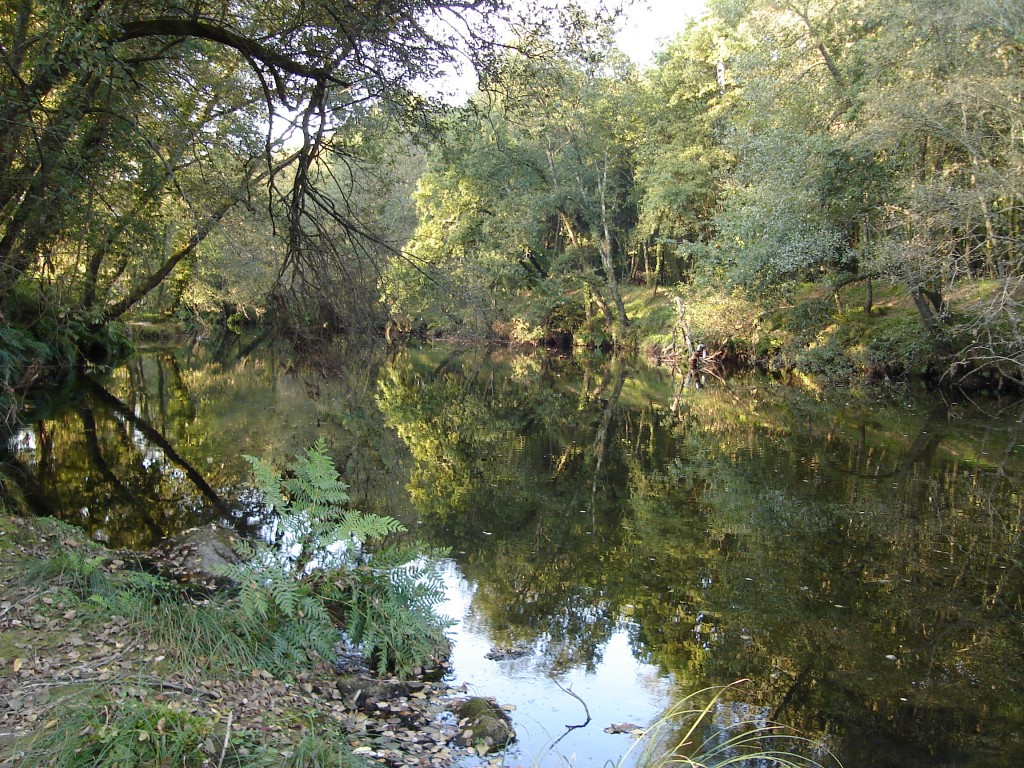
254,599
285,593
387,598
315,481
244,550
267,482
365,526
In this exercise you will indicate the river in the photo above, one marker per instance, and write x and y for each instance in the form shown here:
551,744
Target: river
855,556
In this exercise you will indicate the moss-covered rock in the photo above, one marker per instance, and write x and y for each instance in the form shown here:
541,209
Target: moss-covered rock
485,725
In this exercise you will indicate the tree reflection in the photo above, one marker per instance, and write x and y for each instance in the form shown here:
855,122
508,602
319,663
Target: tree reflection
517,470
155,446
103,467
873,578
860,562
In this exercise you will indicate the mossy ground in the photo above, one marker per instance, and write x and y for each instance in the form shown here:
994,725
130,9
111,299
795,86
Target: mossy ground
816,332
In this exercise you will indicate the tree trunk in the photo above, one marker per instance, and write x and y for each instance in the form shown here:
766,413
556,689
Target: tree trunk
928,315
114,311
607,261
598,299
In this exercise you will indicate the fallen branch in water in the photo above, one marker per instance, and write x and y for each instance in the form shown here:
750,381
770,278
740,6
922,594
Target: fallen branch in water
570,728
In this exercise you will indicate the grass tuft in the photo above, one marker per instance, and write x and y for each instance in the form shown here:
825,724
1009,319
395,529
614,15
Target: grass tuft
692,734
115,728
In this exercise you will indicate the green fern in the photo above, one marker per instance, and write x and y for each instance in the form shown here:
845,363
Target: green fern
309,499
321,573
399,632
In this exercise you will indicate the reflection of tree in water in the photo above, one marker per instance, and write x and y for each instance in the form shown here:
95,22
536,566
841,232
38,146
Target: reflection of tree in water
126,470
522,473
844,558
157,446
119,477
875,583
747,534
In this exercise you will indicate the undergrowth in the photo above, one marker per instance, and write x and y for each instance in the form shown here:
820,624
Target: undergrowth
329,568
294,595
125,728
329,565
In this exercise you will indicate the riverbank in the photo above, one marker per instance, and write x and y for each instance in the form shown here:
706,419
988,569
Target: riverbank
822,336
818,334
102,668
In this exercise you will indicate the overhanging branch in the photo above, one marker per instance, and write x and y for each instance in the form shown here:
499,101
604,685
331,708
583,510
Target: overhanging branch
173,26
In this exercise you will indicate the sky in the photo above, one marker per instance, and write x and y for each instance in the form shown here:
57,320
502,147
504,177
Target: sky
651,22
645,26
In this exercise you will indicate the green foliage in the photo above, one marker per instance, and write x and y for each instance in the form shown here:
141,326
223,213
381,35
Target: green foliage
895,344
309,499
775,228
122,159
41,336
828,360
17,349
392,616
720,319
27,354
682,160
553,309
322,567
528,198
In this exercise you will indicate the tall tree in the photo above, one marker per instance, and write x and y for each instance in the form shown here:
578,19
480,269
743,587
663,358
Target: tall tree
881,139
682,158
535,187
944,110
130,130
779,224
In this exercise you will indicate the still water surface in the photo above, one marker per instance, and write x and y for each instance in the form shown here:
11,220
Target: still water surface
856,556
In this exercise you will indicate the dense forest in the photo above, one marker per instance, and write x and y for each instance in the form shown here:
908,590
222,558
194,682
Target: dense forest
832,187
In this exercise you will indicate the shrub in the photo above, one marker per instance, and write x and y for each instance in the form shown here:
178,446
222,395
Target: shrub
827,359
22,363
899,345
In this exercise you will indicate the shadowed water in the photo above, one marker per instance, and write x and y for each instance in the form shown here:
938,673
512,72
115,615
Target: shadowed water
857,557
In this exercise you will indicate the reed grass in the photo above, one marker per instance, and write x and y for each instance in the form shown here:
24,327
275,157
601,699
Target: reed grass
688,736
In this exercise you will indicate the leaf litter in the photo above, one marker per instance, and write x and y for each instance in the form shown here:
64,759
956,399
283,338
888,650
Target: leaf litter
50,653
